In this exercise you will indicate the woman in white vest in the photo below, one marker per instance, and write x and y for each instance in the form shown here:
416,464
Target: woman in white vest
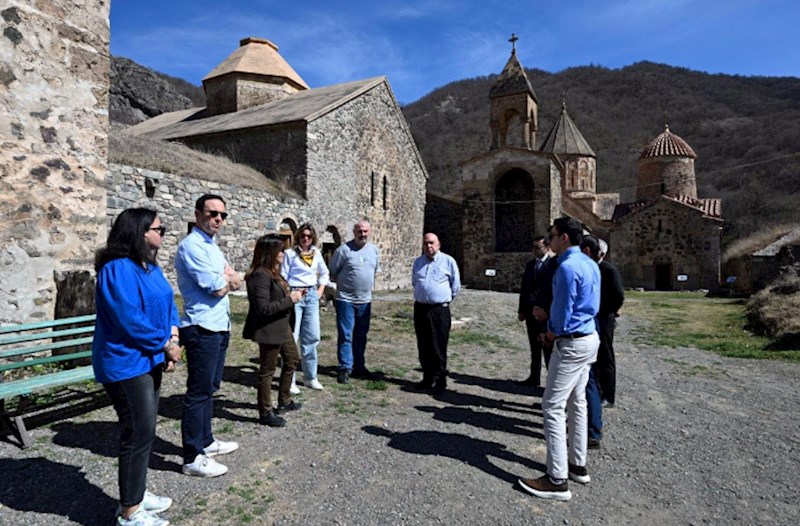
304,269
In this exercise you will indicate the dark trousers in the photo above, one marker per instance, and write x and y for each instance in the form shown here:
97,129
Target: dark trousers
594,408
432,325
605,368
535,328
136,403
205,363
269,353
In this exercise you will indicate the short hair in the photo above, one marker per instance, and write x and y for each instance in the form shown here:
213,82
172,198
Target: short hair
299,232
593,245
126,238
200,204
543,239
570,226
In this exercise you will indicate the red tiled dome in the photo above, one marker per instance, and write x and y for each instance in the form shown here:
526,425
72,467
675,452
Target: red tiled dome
668,145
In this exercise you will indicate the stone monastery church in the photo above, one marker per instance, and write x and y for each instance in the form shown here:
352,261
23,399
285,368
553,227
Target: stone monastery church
668,239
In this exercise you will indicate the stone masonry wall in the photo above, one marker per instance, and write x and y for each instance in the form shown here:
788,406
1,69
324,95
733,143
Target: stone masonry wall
362,162
54,83
252,213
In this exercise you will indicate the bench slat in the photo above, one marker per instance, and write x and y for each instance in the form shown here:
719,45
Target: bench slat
47,324
21,351
45,335
47,359
46,381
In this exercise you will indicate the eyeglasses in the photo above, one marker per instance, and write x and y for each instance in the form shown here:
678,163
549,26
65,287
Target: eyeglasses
160,229
215,213
553,236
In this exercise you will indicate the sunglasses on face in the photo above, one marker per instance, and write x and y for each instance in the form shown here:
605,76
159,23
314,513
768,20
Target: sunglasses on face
215,213
159,229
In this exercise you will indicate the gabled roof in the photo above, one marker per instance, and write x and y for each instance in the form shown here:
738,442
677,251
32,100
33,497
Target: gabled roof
306,105
668,145
710,208
257,56
565,138
512,80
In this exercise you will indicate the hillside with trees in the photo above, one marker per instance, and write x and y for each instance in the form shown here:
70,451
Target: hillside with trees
745,131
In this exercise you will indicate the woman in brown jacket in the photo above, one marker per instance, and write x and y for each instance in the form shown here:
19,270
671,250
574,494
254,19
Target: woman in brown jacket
269,323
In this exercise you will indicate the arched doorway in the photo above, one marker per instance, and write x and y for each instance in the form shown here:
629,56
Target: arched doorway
662,267
514,212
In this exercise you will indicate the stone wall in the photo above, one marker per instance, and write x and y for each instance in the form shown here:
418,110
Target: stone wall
444,217
666,175
362,162
668,233
54,83
252,213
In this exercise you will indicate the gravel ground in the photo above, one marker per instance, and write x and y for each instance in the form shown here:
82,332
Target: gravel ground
694,439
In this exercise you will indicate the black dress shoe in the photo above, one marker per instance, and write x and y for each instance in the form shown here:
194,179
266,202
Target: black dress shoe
344,376
291,406
593,443
271,419
438,389
529,381
423,385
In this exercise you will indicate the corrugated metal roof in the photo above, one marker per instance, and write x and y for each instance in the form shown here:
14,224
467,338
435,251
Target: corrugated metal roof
565,138
668,145
305,105
257,56
512,80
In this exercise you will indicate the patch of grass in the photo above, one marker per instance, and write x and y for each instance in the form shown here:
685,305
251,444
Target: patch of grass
376,385
694,320
225,428
469,337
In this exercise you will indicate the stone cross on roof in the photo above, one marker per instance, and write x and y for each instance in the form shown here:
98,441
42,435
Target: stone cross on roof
513,41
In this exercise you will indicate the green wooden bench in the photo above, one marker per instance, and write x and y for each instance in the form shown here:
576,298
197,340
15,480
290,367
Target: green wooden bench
34,357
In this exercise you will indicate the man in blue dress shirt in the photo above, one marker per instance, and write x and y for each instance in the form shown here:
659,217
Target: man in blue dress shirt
436,283
204,279
576,302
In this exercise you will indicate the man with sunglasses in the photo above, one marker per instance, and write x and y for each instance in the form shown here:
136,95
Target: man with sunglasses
204,278
576,302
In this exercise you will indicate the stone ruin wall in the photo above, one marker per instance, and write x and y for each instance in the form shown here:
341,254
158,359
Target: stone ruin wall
54,83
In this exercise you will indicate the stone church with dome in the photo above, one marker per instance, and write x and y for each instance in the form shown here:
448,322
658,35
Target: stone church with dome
667,239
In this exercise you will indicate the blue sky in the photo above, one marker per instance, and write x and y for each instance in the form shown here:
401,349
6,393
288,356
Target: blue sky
421,45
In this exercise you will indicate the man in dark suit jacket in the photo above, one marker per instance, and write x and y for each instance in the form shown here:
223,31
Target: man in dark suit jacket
612,295
531,288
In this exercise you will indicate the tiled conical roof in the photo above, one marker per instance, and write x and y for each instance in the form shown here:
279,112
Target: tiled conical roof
512,80
668,145
257,56
565,138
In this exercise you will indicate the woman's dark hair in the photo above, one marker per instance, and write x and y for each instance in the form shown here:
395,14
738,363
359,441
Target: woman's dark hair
267,249
304,227
126,239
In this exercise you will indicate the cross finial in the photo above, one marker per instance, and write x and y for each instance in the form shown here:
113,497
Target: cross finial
513,41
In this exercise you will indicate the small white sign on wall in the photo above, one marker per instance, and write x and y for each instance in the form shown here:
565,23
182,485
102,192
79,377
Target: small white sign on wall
683,277
490,272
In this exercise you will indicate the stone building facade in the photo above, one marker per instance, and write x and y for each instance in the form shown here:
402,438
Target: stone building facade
345,149
54,83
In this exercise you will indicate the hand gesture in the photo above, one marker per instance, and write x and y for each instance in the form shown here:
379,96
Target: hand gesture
539,314
232,277
297,295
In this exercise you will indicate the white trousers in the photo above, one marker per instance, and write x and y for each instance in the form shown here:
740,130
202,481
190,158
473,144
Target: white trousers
564,401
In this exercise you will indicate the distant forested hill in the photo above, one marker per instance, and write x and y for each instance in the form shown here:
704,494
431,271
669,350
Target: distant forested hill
745,131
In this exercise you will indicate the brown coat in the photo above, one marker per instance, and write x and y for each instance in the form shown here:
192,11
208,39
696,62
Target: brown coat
270,317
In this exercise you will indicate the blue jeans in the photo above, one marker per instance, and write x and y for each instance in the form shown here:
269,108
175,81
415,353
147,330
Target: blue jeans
352,323
205,362
594,407
306,331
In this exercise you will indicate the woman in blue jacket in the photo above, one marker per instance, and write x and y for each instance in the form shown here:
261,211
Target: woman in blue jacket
135,340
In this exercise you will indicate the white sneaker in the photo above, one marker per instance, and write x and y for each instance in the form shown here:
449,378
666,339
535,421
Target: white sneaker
218,447
142,517
293,389
204,467
151,503
314,384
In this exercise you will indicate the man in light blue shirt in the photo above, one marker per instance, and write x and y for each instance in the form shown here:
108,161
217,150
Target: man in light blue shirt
204,279
576,301
436,282
353,267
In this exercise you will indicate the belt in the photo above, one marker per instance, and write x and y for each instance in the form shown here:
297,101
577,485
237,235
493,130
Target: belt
445,304
299,288
574,335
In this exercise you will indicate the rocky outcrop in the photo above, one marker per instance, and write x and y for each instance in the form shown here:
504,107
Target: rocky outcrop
139,93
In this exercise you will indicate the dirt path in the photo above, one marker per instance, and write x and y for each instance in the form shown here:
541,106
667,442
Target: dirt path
694,439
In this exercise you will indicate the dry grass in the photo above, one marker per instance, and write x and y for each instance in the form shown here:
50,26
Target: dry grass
756,241
774,311
176,158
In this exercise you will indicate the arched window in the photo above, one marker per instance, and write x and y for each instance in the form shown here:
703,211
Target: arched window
514,212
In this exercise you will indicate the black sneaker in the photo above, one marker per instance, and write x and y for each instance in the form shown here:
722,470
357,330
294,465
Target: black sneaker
593,443
544,488
366,374
579,474
438,389
291,406
344,376
271,419
423,386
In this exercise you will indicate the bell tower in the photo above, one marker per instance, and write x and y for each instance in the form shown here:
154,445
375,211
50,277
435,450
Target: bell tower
514,109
